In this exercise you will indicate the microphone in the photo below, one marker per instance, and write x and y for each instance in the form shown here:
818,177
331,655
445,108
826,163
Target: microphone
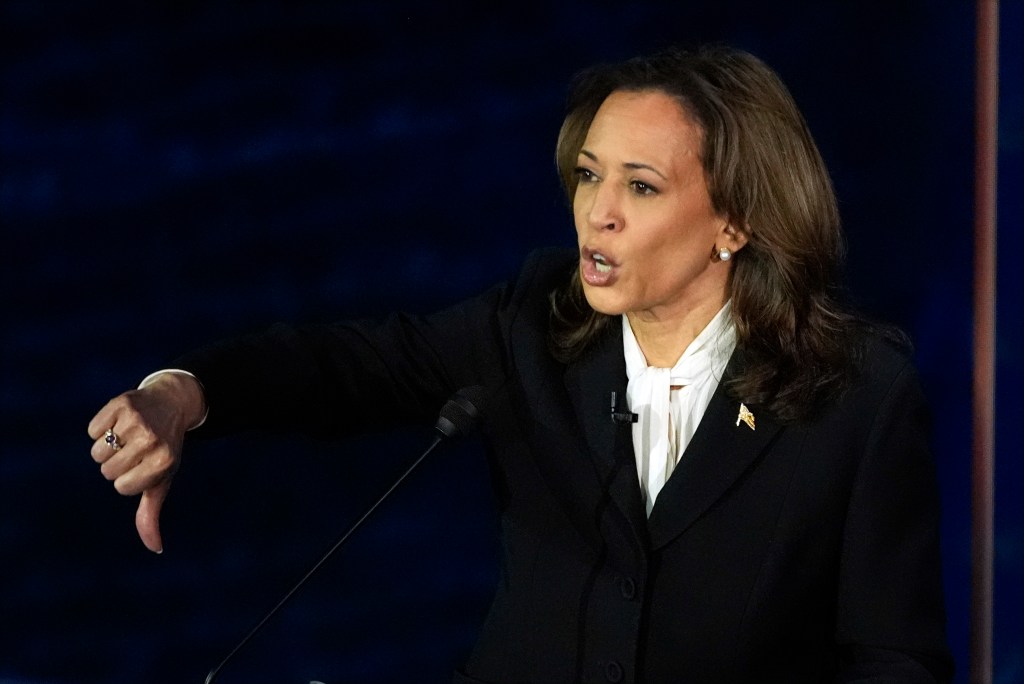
620,417
458,417
460,414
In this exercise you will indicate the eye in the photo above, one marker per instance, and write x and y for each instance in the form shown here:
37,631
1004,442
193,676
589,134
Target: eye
584,175
641,188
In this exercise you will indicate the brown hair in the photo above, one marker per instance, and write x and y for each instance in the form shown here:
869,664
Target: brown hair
766,177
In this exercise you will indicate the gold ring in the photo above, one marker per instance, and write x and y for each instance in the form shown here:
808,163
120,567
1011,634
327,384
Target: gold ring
112,440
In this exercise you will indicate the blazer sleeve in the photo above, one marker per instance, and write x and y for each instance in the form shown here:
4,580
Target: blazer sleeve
349,376
353,376
891,617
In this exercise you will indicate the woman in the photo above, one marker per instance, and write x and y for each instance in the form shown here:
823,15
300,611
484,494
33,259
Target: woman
760,505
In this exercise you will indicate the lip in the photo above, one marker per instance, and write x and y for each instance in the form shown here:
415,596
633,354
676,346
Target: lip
589,271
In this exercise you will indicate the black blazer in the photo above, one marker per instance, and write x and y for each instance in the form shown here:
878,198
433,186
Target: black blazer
798,553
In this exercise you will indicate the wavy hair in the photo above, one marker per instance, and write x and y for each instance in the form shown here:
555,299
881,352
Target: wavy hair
765,175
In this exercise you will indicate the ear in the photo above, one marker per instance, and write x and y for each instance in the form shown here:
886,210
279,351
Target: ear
732,237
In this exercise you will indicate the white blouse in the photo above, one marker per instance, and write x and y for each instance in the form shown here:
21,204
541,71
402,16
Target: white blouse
671,401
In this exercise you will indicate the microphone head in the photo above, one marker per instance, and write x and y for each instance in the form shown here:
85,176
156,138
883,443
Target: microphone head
461,414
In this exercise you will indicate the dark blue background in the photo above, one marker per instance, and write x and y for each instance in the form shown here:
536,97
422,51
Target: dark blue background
189,171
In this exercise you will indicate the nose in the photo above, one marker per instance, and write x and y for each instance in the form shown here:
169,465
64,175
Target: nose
605,207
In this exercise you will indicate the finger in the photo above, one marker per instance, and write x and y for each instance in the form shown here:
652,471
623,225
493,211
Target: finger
149,471
147,517
134,443
118,463
102,451
106,417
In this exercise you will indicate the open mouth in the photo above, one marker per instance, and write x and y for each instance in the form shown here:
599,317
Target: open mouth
597,268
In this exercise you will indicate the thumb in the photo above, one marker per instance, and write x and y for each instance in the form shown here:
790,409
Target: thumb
147,518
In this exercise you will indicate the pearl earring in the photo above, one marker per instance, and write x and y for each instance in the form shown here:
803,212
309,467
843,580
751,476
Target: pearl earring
724,254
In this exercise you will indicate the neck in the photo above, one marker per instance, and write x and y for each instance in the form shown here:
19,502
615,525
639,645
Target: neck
664,339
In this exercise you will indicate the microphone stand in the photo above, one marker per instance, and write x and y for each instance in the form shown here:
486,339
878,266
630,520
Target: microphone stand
337,545
458,416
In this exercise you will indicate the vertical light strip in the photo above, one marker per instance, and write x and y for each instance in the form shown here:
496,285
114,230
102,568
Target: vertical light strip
983,460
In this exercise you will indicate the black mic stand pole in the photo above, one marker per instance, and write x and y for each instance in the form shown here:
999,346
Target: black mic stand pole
458,417
213,673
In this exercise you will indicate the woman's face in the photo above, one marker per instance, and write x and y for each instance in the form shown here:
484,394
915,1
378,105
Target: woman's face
644,220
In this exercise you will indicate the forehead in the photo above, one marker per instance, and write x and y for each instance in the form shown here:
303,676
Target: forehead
646,122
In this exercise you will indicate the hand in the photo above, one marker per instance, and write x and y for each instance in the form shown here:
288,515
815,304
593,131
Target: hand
150,426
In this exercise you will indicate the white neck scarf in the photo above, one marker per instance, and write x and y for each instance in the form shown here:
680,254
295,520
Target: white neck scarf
668,417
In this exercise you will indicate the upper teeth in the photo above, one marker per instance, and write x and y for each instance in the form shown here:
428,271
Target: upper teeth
601,263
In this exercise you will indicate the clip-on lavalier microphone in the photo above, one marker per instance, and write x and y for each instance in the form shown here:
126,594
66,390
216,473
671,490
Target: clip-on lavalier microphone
619,416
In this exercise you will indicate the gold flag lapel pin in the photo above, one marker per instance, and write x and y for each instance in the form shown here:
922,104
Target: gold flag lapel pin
745,417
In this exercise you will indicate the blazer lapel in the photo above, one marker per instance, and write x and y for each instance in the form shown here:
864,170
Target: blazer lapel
719,453
590,382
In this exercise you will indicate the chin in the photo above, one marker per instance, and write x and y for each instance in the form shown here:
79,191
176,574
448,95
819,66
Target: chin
602,301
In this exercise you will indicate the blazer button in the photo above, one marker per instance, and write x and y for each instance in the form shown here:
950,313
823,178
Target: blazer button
613,672
628,588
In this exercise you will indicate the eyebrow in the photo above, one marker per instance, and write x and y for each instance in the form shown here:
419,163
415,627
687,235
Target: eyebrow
628,165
